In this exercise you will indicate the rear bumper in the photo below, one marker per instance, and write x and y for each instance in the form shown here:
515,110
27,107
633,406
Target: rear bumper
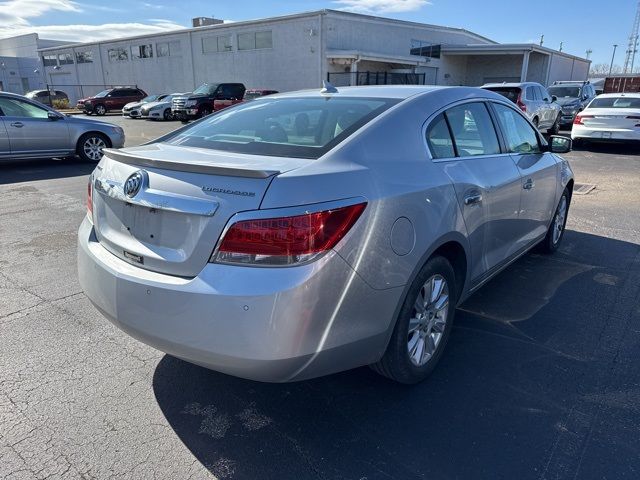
266,324
580,132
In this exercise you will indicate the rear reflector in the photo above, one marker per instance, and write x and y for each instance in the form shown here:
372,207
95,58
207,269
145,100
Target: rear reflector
89,201
287,240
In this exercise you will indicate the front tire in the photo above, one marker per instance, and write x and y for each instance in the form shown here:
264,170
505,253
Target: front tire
166,115
100,110
204,111
555,232
423,325
90,146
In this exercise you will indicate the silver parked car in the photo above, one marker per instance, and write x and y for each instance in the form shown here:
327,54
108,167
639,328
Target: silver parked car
134,109
306,233
160,109
535,101
29,129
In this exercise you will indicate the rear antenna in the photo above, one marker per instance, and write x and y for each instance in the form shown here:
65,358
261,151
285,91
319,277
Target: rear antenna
328,88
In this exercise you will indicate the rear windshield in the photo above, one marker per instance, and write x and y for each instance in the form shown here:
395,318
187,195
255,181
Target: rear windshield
565,92
615,102
283,127
510,92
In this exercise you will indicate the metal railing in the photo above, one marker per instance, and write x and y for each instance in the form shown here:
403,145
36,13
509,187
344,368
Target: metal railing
344,79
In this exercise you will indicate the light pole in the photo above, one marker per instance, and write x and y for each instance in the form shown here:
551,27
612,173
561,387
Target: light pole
612,57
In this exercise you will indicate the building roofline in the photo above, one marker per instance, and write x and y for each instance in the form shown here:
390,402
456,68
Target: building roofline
280,18
507,47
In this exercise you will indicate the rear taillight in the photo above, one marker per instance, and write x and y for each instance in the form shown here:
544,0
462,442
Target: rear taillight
90,200
634,117
520,103
286,240
579,118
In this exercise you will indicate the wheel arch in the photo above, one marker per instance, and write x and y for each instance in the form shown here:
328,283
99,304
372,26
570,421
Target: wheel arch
81,138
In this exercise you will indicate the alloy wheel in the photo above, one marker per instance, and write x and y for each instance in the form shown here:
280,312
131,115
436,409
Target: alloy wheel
428,321
92,148
558,221
100,110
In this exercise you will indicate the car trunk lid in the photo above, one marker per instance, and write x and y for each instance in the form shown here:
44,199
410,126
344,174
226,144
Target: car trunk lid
172,220
613,118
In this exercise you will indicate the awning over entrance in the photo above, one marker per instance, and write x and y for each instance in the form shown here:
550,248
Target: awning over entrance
348,57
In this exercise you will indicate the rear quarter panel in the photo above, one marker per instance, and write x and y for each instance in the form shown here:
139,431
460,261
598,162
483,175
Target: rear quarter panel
387,163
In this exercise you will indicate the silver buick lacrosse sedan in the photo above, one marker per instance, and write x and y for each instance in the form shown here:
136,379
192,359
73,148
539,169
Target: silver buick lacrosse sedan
312,232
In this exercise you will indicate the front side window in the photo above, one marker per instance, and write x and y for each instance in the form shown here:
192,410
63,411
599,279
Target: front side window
439,138
543,93
289,127
12,107
520,136
472,130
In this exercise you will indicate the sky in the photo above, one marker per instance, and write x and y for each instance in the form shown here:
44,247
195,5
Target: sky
581,25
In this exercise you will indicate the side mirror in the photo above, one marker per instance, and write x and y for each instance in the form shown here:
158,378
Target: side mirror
558,144
554,98
54,116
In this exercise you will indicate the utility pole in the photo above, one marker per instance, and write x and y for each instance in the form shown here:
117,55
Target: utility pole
541,39
588,52
560,49
632,48
615,46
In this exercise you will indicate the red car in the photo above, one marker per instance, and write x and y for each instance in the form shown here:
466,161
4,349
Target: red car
110,99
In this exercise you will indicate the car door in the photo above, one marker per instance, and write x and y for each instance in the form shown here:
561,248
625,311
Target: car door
31,131
5,147
538,169
464,142
550,109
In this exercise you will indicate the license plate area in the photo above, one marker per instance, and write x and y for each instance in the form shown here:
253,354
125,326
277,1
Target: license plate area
606,134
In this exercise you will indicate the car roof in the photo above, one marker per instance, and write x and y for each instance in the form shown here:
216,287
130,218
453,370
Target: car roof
510,84
368,91
621,94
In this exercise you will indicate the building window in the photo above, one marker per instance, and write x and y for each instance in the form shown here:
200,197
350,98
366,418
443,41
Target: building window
425,49
50,60
117,55
255,40
65,59
166,49
84,57
141,51
221,43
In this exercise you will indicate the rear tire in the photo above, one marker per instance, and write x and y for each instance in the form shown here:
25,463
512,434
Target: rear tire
90,145
555,232
423,325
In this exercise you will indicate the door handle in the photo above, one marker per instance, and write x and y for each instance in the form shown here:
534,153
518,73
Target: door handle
472,199
17,124
528,185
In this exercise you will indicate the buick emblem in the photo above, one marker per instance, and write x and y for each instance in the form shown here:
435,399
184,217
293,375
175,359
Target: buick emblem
133,184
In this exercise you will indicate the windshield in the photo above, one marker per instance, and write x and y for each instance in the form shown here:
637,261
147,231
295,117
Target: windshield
103,93
150,98
615,102
565,92
285,127
205,89
511,93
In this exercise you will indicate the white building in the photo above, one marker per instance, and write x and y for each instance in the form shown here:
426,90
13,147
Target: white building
20,65
299,51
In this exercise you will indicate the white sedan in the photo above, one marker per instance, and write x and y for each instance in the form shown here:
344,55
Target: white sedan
609,117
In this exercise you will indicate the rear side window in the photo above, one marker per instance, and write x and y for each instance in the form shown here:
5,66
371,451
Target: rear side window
518,133
295,127
472,130
439,138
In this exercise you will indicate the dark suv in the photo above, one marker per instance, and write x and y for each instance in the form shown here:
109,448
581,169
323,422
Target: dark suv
572,97
110,99
207,98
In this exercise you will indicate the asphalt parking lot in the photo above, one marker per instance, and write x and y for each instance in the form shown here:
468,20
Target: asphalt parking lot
541,378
